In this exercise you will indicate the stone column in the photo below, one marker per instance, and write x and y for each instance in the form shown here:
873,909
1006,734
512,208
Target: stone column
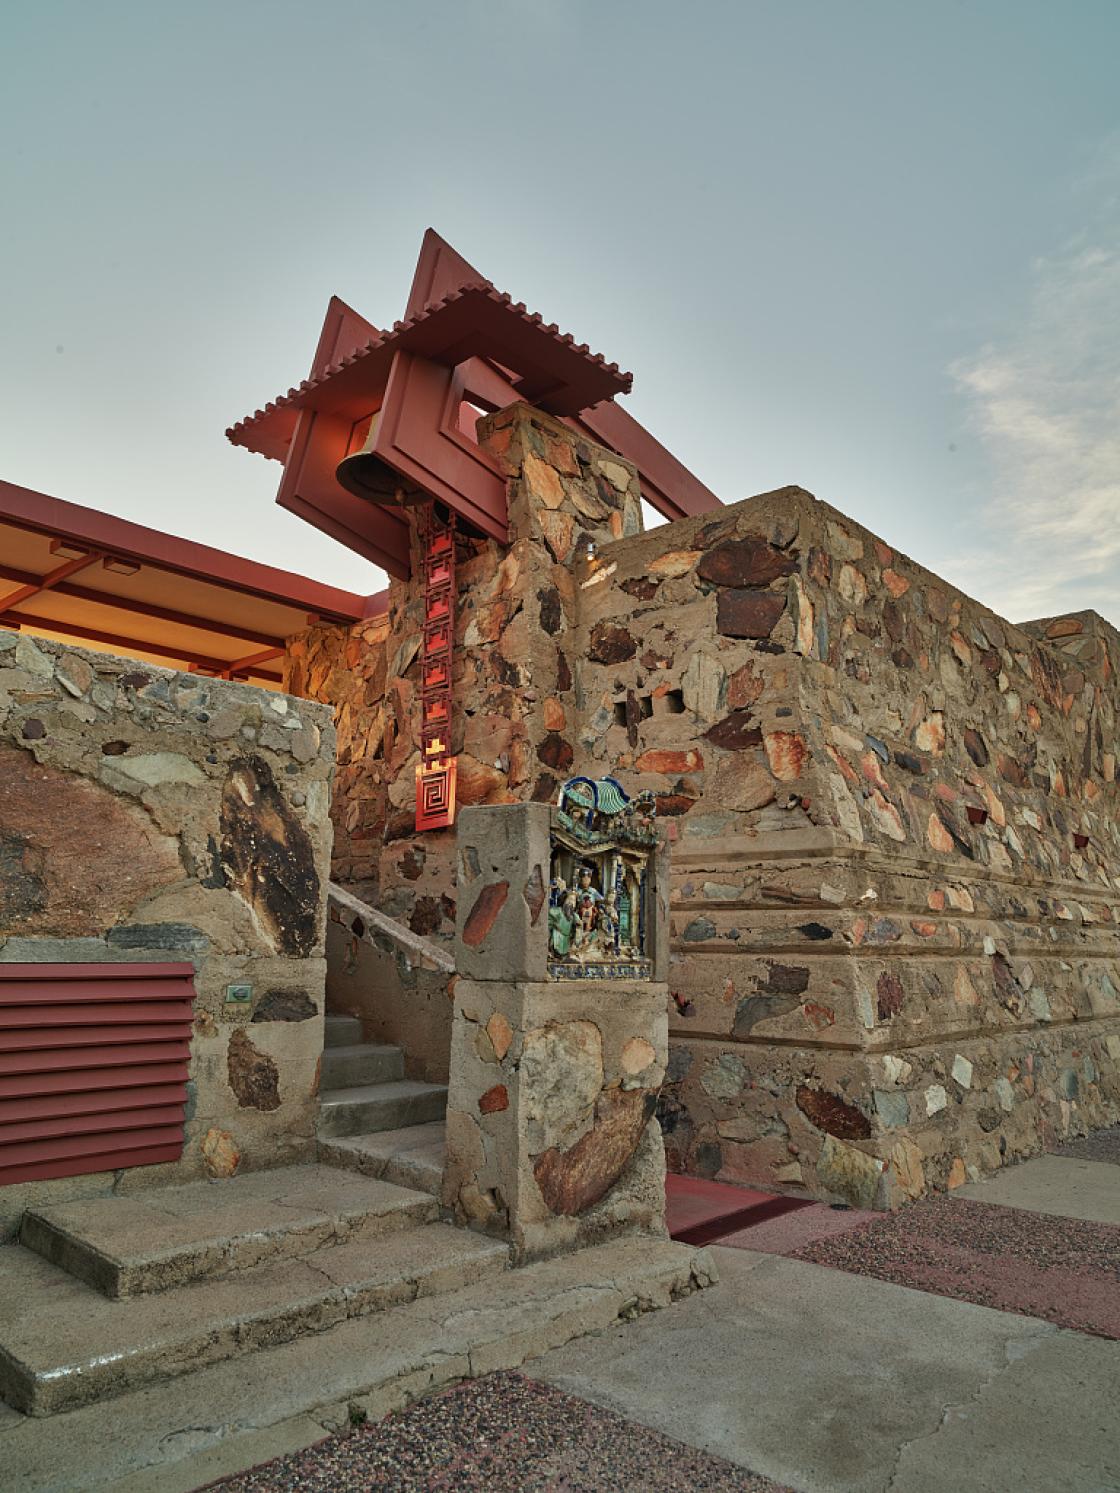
551,1135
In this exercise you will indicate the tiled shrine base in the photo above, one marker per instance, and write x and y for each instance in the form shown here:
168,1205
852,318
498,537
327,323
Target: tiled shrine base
700,1212
503,1434
1044,1264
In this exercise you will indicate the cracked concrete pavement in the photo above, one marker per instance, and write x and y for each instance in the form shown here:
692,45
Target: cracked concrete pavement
829,1381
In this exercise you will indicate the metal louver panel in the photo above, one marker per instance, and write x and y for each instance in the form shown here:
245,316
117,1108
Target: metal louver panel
93,1067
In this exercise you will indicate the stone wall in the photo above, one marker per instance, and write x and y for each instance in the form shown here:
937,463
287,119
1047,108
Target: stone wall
153,816
893,966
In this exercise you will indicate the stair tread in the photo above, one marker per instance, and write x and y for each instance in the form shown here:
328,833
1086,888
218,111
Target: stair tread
58,1329
398,1088
412,1156
204,1227
383,1360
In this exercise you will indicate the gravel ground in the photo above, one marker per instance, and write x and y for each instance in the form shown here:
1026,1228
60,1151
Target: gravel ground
1063,1270
502,1434
1102,1145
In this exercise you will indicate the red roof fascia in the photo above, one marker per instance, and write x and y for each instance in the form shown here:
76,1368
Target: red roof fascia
562,376
117,536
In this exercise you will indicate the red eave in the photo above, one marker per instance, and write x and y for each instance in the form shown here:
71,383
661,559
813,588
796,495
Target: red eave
474,320
117,536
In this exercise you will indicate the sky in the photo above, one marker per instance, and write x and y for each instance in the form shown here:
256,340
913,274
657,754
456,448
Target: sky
871,247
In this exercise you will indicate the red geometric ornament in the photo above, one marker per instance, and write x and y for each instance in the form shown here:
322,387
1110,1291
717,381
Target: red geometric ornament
436,770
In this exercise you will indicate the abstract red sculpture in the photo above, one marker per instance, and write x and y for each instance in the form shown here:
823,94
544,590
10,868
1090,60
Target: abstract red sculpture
386,418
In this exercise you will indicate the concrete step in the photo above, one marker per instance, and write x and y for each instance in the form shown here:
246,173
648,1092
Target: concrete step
412,1157
360,1063
127,1246
380,1106
62,1345
342,1031
374,1364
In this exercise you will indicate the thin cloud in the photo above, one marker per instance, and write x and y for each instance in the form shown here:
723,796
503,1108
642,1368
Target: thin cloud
1046,401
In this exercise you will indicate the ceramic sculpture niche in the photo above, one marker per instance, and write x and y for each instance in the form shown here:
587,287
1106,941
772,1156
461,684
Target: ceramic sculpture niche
602,849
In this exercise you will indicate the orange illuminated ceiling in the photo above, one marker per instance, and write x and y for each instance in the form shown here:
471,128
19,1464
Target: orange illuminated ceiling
80,576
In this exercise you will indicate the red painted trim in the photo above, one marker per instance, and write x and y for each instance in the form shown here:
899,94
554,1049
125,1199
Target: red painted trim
103,531
95,972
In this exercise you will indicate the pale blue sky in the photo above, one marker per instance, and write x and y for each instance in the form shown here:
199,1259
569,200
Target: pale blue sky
869,246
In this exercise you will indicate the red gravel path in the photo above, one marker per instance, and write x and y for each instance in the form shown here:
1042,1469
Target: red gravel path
502,1434
1063,1270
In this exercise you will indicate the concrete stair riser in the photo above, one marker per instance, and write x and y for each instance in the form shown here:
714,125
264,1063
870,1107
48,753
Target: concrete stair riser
347,1067
342,1031
372,1107
214,1242
68,1356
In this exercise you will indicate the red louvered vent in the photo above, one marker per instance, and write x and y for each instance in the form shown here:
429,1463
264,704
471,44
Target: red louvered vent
93,1067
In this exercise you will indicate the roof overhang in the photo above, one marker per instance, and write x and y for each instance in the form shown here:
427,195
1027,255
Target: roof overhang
75,574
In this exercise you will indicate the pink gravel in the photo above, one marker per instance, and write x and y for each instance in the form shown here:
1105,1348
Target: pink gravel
504,1433
1064,1270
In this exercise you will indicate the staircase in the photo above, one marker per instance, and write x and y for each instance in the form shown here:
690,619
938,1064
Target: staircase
372,1119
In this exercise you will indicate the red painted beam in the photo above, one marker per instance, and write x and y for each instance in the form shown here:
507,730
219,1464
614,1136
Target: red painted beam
35,584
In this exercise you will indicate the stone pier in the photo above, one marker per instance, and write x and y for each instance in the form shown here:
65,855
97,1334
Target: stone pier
551,1135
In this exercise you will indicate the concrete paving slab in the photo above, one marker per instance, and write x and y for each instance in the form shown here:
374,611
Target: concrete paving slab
828,1382
379,1363
1047,1421
1064,1185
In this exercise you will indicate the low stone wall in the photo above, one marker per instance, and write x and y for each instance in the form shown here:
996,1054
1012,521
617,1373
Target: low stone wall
154,816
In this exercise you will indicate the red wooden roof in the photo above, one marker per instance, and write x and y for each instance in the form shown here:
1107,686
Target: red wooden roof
75,574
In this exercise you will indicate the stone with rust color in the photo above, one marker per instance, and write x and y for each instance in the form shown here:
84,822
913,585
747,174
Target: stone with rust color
670,761
611,643
571,1181
494,1100
500,1033
749,561
833,1115
748,614
542,480
487,905
787,754
736,732
220,1153
253,1075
